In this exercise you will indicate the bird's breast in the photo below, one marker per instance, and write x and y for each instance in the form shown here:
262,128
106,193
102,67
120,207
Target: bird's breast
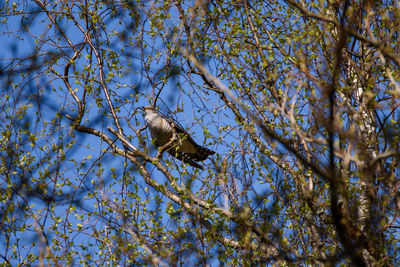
160,130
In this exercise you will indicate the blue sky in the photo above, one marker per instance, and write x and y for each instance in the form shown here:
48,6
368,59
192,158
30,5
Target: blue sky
98,183
89,148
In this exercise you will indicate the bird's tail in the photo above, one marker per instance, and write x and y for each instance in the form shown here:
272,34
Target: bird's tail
202,153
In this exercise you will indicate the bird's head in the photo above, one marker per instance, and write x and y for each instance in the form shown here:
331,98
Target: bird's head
147,109
149,113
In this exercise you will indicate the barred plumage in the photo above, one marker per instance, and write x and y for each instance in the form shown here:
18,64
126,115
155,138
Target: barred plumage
184,148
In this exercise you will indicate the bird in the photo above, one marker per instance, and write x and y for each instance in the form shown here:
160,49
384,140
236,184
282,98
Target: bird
168,132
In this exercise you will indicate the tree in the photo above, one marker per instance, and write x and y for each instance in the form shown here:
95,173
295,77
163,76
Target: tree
298,98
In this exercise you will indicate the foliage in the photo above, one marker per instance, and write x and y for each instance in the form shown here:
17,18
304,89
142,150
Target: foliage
298,98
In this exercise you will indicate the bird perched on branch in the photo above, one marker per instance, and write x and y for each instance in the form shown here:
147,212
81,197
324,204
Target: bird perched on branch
169,135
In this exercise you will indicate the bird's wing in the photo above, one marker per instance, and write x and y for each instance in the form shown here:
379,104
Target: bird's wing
184,157
187,150
179,129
